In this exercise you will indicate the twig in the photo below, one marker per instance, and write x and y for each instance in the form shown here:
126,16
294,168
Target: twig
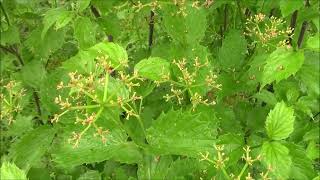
293,24
5,13
151,29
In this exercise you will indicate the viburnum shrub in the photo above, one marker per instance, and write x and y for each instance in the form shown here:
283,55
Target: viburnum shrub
167,89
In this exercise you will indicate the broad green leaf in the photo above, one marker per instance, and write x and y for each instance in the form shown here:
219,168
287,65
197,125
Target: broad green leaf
33,73
182,133
21,125
91,149
281,64
84,62
59,16
184,168
314,42
83,4
266,96
280,121
313,151
9,171
309,74
154,68
187,27
115,54
277,156
84,32
44,47
27,151
233,51
289,6
39,173
90,175
154,167
312,134
302,166
10,36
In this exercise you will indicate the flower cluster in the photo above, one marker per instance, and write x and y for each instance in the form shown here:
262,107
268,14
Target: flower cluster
188,80
91,93
268,31
10,97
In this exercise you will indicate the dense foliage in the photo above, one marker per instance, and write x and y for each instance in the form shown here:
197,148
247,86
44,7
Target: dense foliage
167,89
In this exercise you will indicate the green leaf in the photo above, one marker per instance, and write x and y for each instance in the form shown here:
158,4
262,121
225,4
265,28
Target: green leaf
314,42
281,64
21,125
52,41
233,50
84,32
27,151
277,156
33,73
153,68
91,149
280,121
10,36
309,74
188,29
84,62
154,167
59,16
9,171
266,96
90,175
302,166
288,7
83,4
182,133
116,55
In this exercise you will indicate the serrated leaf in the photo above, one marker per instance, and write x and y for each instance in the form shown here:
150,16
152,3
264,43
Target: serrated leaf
84,62
288,7
10,36
280,121
281,64
314,42
31,147
188,28
153,68
183,169
181,133
33,73
21,125
52,41
154,167
9,171
90,175
302,166
92,149
59,16
84,32
309,74
83,4
233,50
266,96
276,155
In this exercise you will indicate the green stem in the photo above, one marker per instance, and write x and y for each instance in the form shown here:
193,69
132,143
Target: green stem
242,171
105,93
84,107
225,173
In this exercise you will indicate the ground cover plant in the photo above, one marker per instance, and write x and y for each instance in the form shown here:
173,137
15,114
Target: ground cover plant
167,89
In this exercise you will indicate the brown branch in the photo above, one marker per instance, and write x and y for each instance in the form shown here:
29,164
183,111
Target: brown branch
302,33
151,29
293,24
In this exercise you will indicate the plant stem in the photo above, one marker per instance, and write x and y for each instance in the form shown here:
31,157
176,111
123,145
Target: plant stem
242,170
151,29
5,14
225,173
105,92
